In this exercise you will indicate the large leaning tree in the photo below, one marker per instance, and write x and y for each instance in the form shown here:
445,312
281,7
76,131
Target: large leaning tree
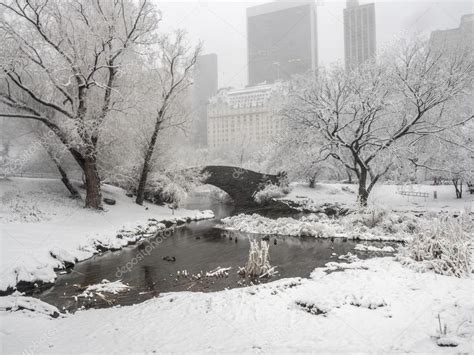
172,73
364,118
60,65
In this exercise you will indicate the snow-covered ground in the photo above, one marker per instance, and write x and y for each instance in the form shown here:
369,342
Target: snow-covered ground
38,219
385,196
374,306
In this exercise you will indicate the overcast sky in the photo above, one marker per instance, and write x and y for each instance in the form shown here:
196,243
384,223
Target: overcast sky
221,25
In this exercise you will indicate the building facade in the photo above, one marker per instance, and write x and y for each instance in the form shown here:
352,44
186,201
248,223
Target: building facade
359,33
245,117
205,87
281,40
455,38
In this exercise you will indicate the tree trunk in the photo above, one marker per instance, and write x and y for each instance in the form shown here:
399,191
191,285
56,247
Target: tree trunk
146,164
65,179
363,192
458,187
93,191
142,182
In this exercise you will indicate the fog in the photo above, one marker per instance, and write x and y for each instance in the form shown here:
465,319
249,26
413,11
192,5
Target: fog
221,25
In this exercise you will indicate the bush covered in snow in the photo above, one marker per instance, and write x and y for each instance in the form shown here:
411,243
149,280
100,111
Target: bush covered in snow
443,245
385,221
162,186
270,192
372,216
125,177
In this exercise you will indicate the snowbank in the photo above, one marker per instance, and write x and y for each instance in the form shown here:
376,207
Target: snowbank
16,302
382,196
375,306
44,230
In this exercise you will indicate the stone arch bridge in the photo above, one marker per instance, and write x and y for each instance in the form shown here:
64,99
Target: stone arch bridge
240,184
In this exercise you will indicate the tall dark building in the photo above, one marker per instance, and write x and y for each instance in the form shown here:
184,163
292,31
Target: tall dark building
359,33
205,87
281,40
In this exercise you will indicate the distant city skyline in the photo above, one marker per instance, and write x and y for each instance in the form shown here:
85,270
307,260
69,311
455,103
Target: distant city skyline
360,42
222,27
282,40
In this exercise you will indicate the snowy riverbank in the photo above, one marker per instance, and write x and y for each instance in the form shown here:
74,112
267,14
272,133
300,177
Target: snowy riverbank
385,196
43,230
390,216
375,305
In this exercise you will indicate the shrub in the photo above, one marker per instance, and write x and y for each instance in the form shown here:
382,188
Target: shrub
125,177
172,187
372,217
442,246
162,186
269,192
386,221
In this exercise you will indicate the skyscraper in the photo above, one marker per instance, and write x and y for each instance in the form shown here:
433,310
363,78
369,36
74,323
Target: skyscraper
205,86
455,38
359,33
281,40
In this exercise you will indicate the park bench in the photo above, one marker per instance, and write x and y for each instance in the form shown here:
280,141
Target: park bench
414,193
410,190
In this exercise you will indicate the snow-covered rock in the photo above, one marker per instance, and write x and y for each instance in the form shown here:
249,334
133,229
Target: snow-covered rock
365,247
17,302
107,286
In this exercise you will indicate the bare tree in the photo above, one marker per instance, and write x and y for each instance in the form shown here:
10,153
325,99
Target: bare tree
175,62
60,67
448,154
365,116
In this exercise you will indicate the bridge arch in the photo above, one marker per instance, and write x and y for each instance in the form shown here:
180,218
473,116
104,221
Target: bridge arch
240,184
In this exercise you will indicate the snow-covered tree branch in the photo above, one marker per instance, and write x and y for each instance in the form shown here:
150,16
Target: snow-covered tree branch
60,67
363,118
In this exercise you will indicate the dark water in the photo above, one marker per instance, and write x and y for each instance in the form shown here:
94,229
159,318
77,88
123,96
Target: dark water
198,248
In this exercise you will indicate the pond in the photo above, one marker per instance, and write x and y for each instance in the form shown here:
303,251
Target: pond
193,249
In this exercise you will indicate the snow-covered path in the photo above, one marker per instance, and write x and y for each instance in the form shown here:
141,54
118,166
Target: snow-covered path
384,308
